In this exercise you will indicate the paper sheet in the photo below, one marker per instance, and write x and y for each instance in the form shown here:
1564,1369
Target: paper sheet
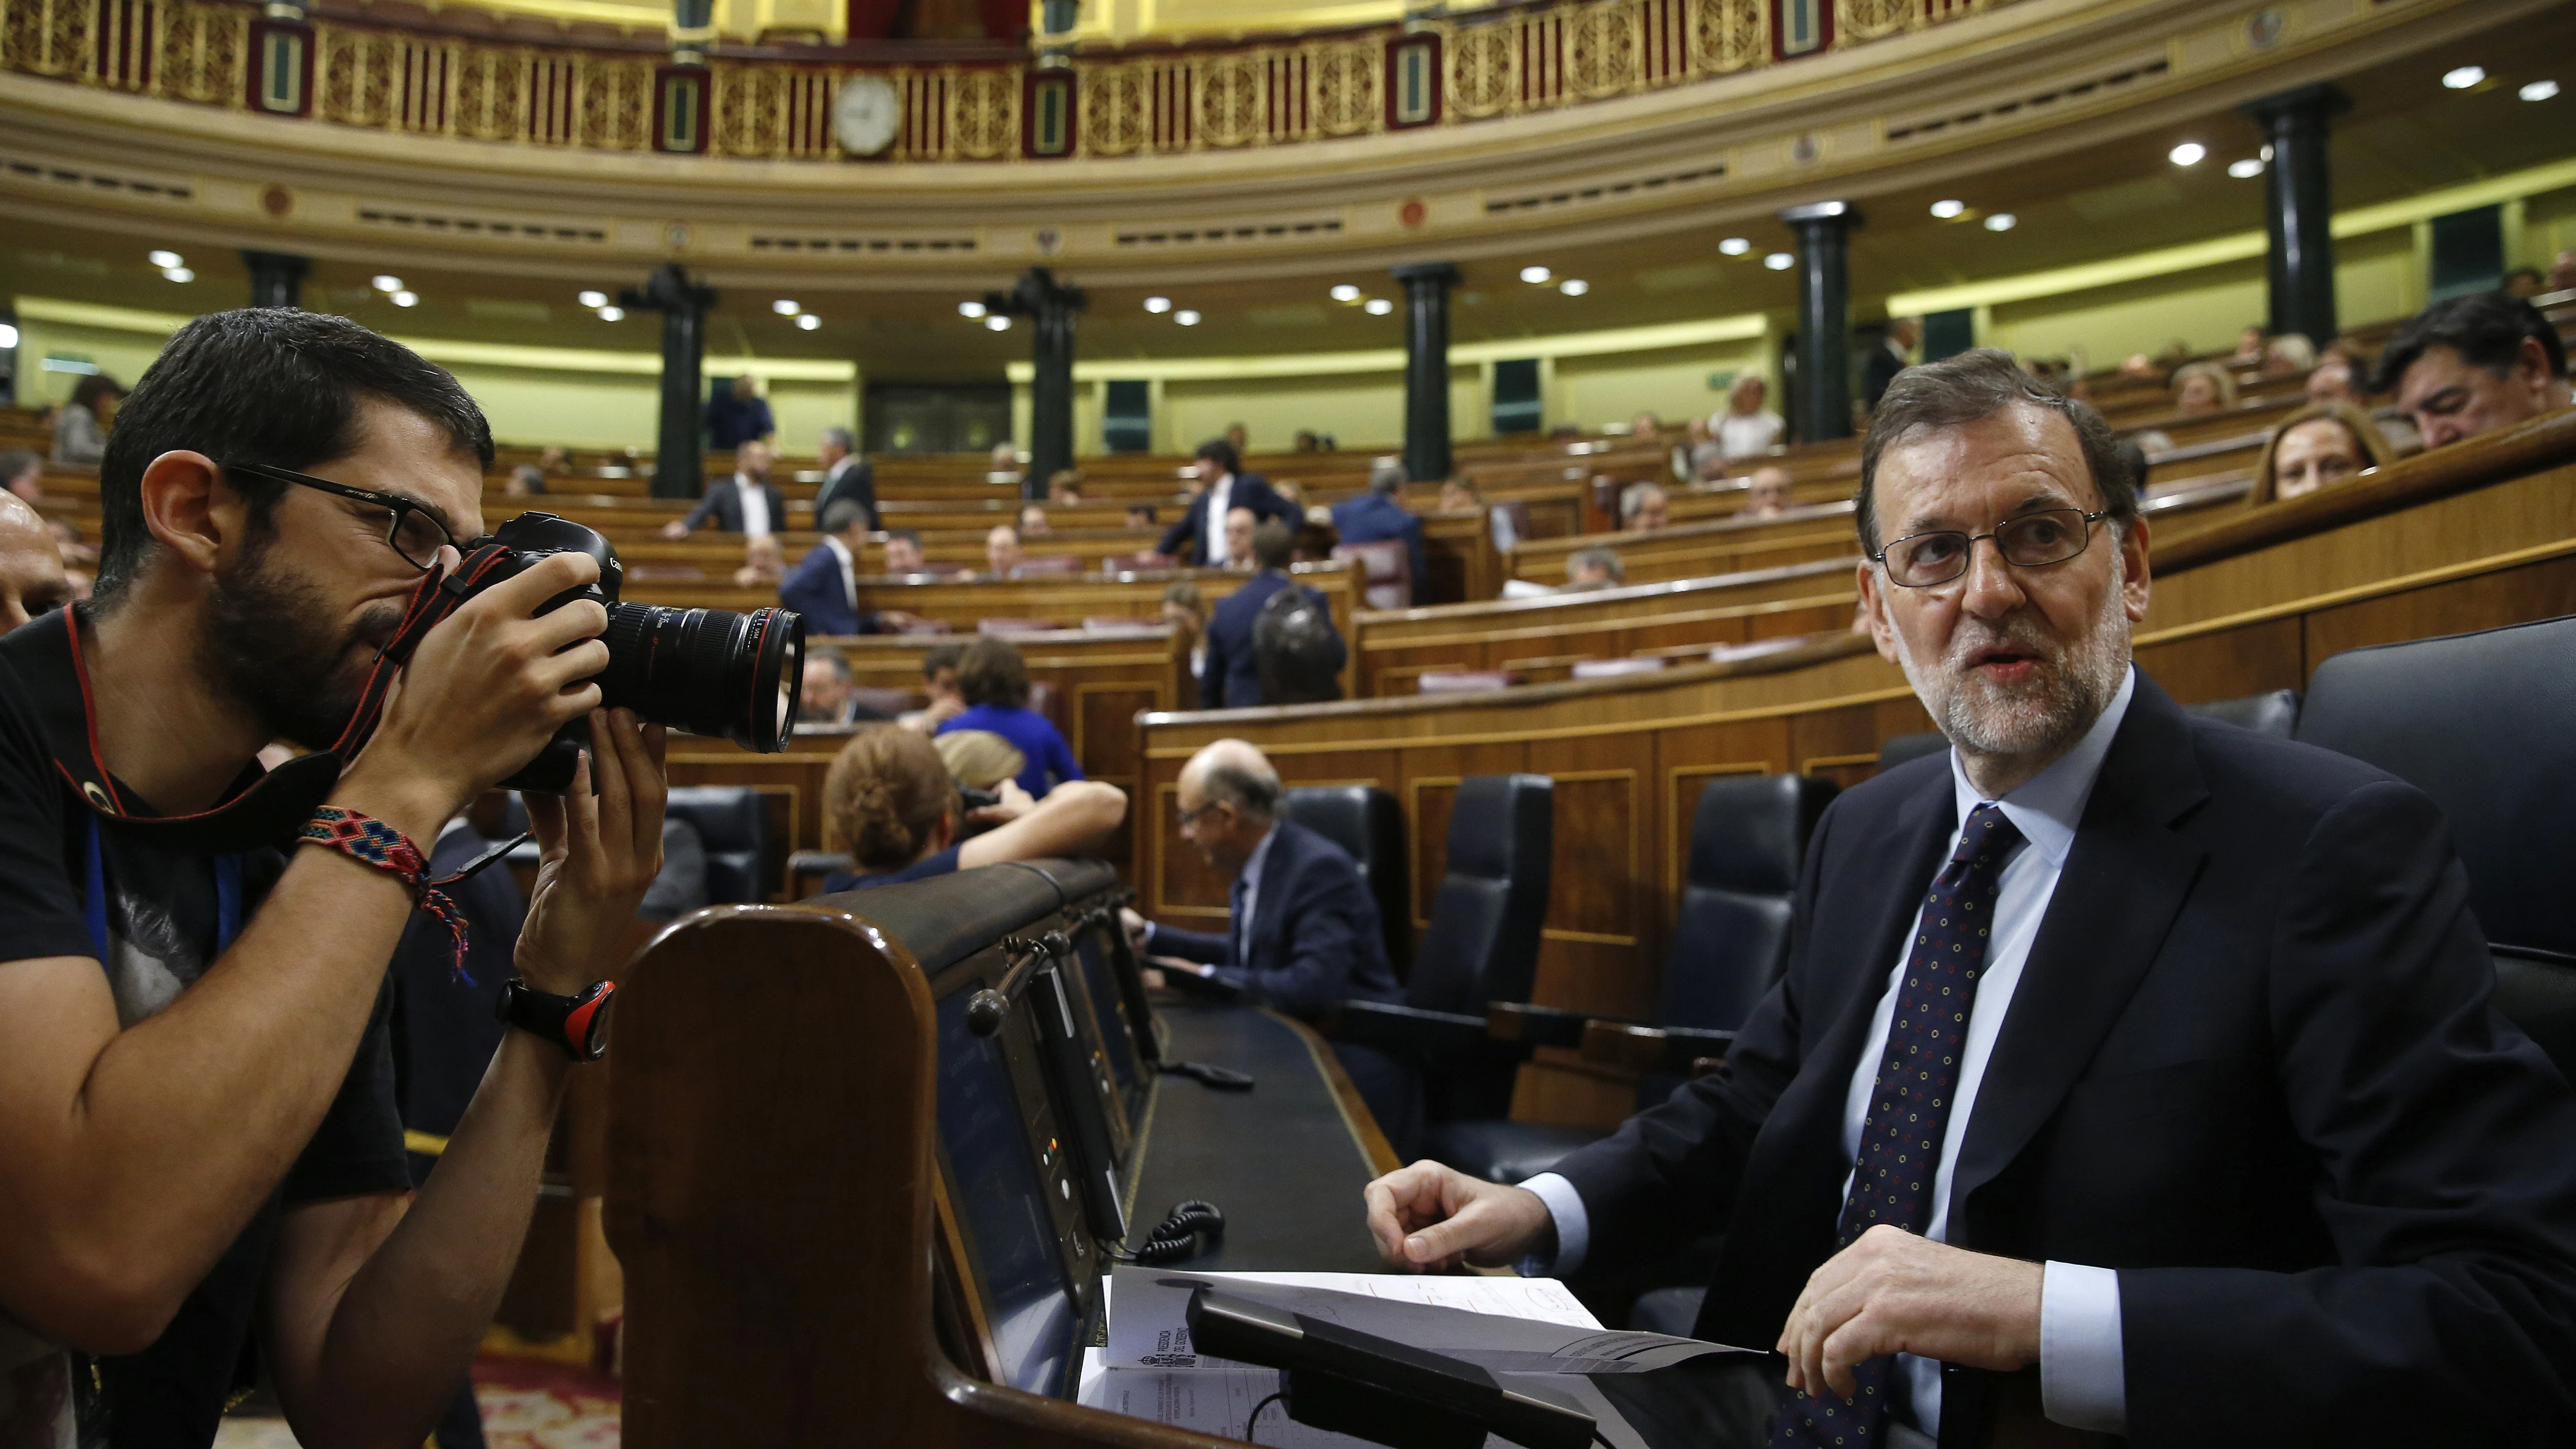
1149,1327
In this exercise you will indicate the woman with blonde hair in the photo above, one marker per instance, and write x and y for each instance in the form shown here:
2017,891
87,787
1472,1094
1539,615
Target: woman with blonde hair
897,809
2318,446
2202,388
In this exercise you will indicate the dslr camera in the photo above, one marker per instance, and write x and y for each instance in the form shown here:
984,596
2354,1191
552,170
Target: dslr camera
701,671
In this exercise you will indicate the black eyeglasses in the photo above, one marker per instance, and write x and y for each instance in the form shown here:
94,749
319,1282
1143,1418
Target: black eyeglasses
412,531
2032,540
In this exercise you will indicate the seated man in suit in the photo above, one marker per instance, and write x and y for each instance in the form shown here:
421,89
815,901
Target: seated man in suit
1377,515
1001,553
845,475
1769,493
746,503
903,552
1201,531
825,586
2128,1067
1231,678
2474,365
827,694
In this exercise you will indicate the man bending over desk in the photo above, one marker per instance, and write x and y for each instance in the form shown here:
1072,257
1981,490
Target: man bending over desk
2129,1067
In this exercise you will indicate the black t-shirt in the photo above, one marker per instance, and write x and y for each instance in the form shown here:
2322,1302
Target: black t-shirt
161,922
942,863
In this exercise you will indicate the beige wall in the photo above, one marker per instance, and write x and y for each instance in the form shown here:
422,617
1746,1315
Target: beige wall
121,355
1672,383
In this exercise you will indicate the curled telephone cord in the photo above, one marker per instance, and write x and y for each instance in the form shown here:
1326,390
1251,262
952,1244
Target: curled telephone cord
1177,1240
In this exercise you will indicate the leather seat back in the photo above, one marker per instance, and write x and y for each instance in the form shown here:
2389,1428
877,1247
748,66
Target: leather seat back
1366,822
1482,943
1730,941
1900,748
2275,714
733,826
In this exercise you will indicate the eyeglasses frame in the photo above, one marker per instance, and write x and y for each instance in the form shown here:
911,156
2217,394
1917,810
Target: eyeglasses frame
1967,555
401,507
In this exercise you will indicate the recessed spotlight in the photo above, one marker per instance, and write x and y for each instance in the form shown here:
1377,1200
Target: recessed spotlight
1186,317
2539,90
1948,209
612,314
594,300
1735,246
2464,77
387,284
2002,221
8,336
997,323
1345,292
404,299
970,309
2247,167
785,308
1574,286
1779,261
2189,153
166,259
1535,275
178,274
1158,305
1378,307
809,321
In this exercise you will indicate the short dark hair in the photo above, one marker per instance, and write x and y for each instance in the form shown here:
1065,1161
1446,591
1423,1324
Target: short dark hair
909,535
1272,544
833,660
1223,452
1146,509
2486,328
1972,386
272,385
940,656
992,672
17,461
843,513
90,390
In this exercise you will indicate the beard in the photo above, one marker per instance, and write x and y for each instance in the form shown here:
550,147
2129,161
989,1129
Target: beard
2070,684
269,646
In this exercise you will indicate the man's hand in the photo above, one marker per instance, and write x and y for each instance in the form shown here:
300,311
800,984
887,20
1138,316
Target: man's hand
1894,1292
1428,1218
1011,803
602,846
1137,927
675,529
897,619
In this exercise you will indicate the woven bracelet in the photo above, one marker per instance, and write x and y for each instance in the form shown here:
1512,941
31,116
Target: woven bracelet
371,842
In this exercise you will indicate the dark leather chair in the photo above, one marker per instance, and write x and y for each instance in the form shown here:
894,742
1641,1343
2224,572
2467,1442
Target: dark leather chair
1368,823
2275,713
2481,722
1900,748
734,828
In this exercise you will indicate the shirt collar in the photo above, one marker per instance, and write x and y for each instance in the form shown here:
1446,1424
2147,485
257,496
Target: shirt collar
743,482
1260,853
839,549
2047,807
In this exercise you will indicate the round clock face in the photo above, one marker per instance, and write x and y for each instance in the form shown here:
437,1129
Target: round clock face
864,115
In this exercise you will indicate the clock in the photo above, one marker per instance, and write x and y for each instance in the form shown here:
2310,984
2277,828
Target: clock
865,114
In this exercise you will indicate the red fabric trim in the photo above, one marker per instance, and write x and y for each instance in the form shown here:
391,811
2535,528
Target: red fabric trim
89,716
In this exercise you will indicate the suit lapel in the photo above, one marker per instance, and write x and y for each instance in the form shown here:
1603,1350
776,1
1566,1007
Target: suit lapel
2124,882
1271,906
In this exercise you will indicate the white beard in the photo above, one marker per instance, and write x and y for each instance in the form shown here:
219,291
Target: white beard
2070,685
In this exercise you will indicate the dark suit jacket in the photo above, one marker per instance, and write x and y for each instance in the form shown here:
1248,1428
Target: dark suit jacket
1231,676
1374,518
1316,941
854,478
723,505
815,590
2250,1065
1250,490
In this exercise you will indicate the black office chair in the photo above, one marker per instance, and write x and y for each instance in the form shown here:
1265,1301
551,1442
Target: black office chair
1368,823
2482,723
2275,713
1900,748
734,829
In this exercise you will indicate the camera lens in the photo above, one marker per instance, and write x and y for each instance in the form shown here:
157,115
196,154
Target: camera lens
707,671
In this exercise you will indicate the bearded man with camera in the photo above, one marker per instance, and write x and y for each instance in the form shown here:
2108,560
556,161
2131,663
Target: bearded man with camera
199,1148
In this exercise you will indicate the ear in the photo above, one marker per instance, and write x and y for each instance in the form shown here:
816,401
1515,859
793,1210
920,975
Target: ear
2532,366
945,834
1873,610
192,510
2135,581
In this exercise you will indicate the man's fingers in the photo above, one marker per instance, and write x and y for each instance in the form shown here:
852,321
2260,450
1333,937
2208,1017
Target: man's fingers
578,620
546,818
1853,1341
581,805
609,763
518,596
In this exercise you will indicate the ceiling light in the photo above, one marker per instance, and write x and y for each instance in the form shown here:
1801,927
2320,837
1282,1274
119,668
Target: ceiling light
1574,286
612,314
2189,153
785,308
1158,305
1186,317
1535,275
809,321
166,259
387,284
1346,293
997,323
2002,221
404,299
1779,261
2539,90
1948,209
970,309
8,336
1379,306
2247,167
1735,246
594,299
2464,77
178,274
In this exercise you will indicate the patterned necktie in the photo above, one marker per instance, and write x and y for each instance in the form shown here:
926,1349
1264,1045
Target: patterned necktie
1909,1109
1235,924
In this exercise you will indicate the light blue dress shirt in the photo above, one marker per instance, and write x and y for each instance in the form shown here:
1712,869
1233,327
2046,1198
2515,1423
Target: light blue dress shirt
2082,1381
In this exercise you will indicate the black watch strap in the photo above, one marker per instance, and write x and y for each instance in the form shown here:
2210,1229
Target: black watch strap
578,1024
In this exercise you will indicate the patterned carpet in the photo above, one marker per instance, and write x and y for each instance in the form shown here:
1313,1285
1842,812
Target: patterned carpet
526,1405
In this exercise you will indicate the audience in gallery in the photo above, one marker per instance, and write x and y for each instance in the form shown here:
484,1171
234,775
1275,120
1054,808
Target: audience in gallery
2472,365
1890,357
33,581
1769,493
2562,272
2524,283
2336,377
22,472
746,503
2250,344
2317,447
1747,429
1033,520
1005,467
1458,495
2203,388
825,586
980,759
1140,516
845,475
1379,516
939,684
1645,507
1064,487
764,562
1231,678
903,552
1701,458
553,461
1186,610
80,429
737,414
1239,438
2291,352
1001,553
1646,427
827,693
1222,488
891,800
1597,567
2140,365
994,682
526,481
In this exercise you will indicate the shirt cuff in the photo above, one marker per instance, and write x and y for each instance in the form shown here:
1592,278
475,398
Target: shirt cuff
1573,1229
2083,1382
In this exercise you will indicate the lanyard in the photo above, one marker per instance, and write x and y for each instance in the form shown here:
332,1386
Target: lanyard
228,880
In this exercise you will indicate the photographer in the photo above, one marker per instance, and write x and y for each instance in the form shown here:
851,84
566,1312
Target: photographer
196,1098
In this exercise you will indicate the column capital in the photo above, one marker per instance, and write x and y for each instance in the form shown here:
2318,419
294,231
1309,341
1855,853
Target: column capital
1823,213
2320,99
1445,273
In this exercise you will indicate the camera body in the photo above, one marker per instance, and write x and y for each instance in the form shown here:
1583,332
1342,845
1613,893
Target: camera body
701,671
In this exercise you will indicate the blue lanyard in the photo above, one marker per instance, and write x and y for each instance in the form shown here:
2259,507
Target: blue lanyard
227,897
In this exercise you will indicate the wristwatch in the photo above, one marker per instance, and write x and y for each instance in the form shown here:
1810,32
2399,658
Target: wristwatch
578,1024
